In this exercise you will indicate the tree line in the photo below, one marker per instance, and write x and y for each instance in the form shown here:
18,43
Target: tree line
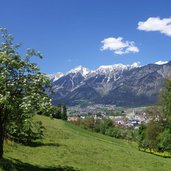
156,134
59,112
106,127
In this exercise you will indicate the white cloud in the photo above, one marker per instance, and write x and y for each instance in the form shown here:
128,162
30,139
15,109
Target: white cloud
156,24
118,46
161,62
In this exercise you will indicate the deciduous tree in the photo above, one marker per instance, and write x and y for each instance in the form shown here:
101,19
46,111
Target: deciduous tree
22,92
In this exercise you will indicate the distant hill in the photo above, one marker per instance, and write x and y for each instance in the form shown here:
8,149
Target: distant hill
118,84
67,148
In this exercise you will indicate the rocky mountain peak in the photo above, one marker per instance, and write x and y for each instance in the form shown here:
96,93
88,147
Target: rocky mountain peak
56,76
106,69
80,69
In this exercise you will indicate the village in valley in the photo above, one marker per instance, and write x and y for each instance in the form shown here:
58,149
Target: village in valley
123,117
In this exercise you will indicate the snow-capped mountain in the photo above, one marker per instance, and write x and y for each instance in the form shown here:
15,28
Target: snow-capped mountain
54,77
80,69
104,69
107,69
114,71
113,84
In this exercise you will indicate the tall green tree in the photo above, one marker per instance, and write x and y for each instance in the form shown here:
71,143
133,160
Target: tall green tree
164,139
166,100
64,112
152,132
22,91
56,111
59,112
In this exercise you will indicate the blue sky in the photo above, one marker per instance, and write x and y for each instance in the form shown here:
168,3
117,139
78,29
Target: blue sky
70,32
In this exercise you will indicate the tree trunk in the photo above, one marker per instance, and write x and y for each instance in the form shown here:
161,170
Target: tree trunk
1,140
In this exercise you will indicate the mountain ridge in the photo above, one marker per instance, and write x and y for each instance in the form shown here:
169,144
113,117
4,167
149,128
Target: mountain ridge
118,84
103,68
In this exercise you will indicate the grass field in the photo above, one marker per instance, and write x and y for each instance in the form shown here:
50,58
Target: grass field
67,147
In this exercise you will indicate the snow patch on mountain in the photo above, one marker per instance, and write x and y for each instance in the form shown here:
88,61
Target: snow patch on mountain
161,62
56,76
116,68
80,69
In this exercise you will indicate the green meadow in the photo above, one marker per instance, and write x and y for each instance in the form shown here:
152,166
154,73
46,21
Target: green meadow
67,147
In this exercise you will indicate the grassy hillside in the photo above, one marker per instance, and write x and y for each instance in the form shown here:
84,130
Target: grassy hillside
67,147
